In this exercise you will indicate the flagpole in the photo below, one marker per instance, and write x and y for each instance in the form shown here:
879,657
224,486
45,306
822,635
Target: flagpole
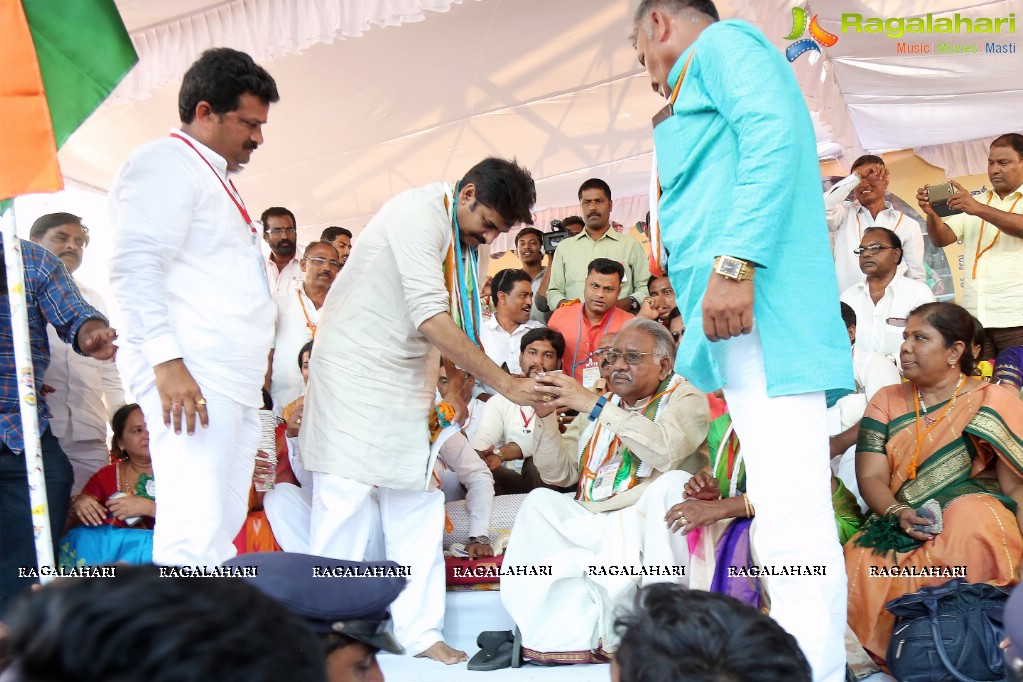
27,397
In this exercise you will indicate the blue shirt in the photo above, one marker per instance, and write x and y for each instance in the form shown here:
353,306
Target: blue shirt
740,177
51,297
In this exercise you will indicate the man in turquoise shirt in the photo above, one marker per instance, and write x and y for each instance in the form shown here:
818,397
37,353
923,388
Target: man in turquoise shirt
743,225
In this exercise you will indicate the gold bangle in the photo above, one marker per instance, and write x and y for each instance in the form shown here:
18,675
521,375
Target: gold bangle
749,507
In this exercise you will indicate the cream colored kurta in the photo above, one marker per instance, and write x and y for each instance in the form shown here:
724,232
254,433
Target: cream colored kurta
373,374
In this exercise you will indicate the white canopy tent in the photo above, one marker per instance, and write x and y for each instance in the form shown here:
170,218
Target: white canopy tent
367,112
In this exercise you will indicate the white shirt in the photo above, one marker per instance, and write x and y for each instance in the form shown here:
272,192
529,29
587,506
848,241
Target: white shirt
372,364
848,219
87,391
873,330
456,455
537,314
505,422
293,332
288,278
187,273
502,346
996,295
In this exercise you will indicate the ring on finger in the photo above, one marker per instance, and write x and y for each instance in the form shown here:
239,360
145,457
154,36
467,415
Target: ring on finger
176,407
201,402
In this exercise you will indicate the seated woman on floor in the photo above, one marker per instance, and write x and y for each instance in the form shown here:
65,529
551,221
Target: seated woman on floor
116,509
716,516
945,437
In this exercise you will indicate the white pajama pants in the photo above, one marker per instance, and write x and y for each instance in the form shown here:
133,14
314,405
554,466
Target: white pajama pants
348,516
786,451
202,480
86,457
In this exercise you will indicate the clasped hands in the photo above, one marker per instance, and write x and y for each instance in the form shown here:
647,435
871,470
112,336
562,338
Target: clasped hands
92,513
701,505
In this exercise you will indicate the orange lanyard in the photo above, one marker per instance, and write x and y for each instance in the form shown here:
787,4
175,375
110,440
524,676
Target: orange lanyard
859,228
308,323
980,238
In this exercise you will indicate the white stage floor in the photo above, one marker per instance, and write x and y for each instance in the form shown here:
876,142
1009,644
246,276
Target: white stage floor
470,613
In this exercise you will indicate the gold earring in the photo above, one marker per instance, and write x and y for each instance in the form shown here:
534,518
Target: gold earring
951,362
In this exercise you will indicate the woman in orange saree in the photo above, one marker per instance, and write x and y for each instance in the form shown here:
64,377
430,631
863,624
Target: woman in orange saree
941,436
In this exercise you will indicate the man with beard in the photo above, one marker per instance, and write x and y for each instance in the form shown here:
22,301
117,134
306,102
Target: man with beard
280,233
848,220
597,240
501,334
297,314
198,317
630,453
341,239
504,438
583,324
529,247
992,235
82,392
661,301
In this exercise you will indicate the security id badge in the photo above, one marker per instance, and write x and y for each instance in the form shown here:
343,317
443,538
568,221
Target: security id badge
591,373
604,481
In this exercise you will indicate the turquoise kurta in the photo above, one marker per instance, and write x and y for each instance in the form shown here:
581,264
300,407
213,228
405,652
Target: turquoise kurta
740,177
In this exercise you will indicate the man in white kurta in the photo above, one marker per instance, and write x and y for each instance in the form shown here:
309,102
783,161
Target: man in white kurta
365,432
612,538
198,319
83,392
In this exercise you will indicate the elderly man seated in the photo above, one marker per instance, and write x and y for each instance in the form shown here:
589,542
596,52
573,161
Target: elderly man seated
630,453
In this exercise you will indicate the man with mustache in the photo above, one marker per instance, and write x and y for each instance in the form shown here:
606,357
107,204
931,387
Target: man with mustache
341,239
198,316
281,234
883,299
298,312
584,323
504,438
659,304
597,240
630,453
847,221
991,230
82,392
501,333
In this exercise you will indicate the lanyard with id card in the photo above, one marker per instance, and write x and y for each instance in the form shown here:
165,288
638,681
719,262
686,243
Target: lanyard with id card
604,481
591,373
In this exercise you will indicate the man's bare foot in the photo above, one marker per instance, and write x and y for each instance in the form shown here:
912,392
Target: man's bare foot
440,651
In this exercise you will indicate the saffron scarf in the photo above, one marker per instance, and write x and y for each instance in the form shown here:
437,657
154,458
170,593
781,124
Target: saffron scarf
461,275
603,445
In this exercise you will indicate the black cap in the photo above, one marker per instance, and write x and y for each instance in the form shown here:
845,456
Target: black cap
349,598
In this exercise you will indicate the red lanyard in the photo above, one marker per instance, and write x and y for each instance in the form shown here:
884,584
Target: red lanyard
526,422
235,196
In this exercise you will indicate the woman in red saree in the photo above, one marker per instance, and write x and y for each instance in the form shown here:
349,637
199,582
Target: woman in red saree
944,436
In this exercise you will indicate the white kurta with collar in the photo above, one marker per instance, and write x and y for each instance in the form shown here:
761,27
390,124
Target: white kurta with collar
293,332
286,279
874,329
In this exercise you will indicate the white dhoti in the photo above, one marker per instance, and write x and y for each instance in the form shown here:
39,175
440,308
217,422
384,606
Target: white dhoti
288,508
202,480
788,480
346,523
593,556
86,457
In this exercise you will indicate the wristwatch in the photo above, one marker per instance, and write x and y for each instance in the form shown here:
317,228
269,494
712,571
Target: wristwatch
479,540
497,451
634,305
733,268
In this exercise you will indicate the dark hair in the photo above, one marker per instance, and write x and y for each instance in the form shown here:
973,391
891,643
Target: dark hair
544,334
979,335
594,183
675,312
311,245
525,232
573,220
848,315
954,324
45,223
606,266
674,633
893,239
866,159
140,626
654,278
117,424
276,211
1013,140
331,233
221,76
504,281
307,348
505,187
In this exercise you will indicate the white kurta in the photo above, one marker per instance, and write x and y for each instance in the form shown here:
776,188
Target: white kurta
293,332
371,364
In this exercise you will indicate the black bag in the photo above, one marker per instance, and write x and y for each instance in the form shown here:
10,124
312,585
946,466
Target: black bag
948,633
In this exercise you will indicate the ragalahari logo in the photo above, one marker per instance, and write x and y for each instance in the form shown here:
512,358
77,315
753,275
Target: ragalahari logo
818,36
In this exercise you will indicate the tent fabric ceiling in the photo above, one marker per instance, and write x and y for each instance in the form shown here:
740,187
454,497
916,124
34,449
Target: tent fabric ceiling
555,84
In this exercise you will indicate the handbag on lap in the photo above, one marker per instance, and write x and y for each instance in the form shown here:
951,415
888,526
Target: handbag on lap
948,633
